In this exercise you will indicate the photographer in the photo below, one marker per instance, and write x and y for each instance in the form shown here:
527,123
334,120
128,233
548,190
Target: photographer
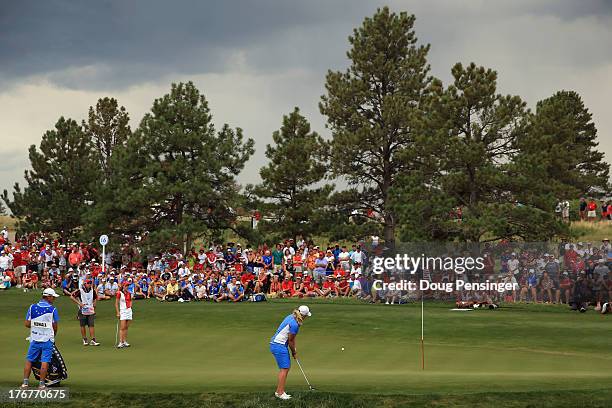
581,294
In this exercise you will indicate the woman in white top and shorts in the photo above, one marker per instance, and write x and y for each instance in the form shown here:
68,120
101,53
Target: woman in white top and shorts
123,307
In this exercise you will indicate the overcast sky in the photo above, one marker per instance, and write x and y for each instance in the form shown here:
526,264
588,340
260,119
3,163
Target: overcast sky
255,60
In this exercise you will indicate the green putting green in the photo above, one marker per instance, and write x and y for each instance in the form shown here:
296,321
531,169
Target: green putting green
223,348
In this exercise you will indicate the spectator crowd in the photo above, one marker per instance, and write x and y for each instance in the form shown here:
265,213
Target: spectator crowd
577,274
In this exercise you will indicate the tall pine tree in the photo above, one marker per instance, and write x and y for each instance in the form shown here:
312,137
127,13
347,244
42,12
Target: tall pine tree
176,178
59,185
373,110
472,188
562,139
108,127
292,198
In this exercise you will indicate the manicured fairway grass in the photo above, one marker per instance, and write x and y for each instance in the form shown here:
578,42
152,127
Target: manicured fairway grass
204,354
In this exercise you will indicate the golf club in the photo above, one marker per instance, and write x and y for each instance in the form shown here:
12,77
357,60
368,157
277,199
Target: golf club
117,334
304,374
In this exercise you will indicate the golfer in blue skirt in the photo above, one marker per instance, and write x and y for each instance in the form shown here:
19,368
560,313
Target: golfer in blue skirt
282,341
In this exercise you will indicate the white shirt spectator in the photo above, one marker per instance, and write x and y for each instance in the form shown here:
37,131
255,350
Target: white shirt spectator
513,265
6,261
183,271
108,258
357,256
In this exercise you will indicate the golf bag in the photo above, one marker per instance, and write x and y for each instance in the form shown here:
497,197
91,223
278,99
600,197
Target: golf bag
258,297
57,369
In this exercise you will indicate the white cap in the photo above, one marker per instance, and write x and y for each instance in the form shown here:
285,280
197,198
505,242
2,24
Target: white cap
50,292
304,311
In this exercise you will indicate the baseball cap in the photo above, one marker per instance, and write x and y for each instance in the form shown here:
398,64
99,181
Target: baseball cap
50,292
304,311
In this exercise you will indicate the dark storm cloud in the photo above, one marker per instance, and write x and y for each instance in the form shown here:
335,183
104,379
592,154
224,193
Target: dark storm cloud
114,43
126,41
257,59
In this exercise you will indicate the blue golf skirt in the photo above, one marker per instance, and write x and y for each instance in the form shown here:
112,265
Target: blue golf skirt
281,354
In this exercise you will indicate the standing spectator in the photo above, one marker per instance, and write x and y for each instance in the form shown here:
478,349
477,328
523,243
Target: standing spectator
75,258
344,258
547,285
606,210
357,255
320,267
277,256
565,210
553,270
601,268
582,209
6,260
592,210
513,264
19,265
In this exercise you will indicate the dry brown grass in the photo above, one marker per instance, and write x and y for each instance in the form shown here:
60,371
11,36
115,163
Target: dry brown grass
592,231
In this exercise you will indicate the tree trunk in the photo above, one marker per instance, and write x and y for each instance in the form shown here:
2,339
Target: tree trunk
389,231
188,241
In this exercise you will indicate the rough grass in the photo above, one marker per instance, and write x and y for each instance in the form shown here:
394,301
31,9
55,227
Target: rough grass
592,231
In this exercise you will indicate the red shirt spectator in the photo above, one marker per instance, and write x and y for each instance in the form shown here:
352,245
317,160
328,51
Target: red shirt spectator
246,278
18,259
75,258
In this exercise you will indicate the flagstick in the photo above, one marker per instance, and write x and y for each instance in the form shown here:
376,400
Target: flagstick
422,327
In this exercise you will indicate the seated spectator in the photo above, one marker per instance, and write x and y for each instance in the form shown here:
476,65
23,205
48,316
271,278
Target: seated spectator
297,289
236,294
222,292
5,280
329,287
343,287
172,291
261,285
311,289
286,288
159,290
186,292
101,290
275,288
201,292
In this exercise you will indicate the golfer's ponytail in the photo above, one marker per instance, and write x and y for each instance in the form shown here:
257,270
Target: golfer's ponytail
298,317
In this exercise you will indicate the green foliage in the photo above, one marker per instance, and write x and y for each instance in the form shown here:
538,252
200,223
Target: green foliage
58,190
562,140
374,108
471,141
290,197
108,127
175,180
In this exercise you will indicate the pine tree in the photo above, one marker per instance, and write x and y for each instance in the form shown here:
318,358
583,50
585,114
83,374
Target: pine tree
108,127
58,189
176,178
473,169
562,138
291,194
374,109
